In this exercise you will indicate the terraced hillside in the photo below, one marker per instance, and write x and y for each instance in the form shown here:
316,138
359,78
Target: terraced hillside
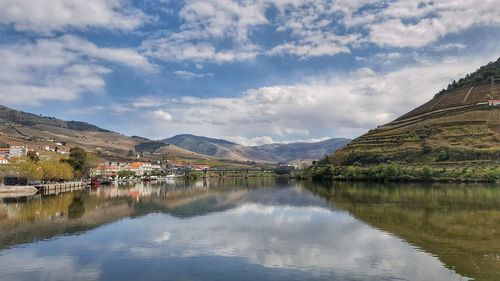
37,132
457,125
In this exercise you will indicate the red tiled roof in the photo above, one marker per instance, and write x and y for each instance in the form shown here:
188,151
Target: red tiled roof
136,165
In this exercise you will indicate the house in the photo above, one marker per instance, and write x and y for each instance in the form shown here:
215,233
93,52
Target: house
5,152
3,161
104,170
199,167
18,151
141,168
493,102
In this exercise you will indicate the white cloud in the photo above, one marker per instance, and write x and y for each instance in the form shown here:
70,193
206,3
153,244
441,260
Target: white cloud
56,15
180,50
333,104
312,27
61,68
190,75
449,46
205,22
124,56
163,115
145,102
396,33
408,23
255,141
222,30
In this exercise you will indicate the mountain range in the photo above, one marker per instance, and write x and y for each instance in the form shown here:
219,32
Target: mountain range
276,152
41,132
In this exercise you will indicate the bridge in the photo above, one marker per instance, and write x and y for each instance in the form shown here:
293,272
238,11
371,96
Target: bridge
246,172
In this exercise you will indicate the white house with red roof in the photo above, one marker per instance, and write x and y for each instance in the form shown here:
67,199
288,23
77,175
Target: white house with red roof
493,102
3,161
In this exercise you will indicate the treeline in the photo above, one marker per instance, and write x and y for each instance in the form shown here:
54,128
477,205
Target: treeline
480,76
393,172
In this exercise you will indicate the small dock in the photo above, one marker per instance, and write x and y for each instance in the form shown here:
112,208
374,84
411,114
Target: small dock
16,191
57,188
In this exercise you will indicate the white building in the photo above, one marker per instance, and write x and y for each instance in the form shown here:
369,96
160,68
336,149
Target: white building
3,161
18,151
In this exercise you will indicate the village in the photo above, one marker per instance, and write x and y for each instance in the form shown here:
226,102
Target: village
103,169
53,170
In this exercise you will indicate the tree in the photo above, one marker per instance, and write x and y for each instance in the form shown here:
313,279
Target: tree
25,167
54,170
78,160
33,156
427,173
442,156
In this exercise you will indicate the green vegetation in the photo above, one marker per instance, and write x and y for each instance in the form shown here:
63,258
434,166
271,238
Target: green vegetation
148,146
47,170
453,137
125,174
393,172
230,174
192,175
78,160
51,167
55,170
480,76
23,166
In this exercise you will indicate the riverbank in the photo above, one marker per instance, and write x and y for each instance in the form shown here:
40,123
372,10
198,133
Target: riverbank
7,191
393,172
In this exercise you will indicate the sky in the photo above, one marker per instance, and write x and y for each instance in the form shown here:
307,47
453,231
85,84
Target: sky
250,71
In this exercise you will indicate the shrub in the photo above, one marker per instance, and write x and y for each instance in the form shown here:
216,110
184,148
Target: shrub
427,173
491,176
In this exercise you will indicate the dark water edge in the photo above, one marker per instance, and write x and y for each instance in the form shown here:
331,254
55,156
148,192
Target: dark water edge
255,229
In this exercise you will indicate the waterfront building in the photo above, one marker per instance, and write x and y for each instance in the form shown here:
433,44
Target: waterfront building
18,151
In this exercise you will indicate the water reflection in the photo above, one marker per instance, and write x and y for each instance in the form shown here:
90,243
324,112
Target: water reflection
460,224
250,229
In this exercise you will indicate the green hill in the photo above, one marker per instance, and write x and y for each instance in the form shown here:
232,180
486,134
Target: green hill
456,135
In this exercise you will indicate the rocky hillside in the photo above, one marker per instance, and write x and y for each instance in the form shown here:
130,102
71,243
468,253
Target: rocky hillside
456,126
38,132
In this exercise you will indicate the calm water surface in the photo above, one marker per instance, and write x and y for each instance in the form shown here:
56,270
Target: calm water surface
255,230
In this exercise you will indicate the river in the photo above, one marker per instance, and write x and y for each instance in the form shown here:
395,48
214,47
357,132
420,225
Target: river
255,229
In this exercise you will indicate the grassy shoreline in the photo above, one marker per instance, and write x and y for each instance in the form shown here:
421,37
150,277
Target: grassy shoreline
396,172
